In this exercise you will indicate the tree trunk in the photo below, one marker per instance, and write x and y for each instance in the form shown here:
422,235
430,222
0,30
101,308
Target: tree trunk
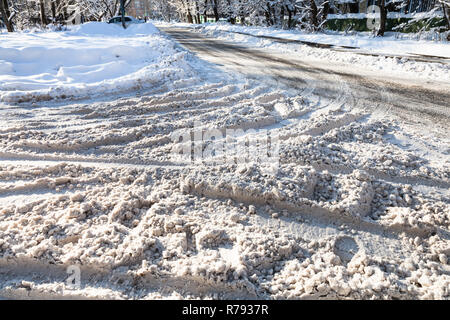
268,17
274,16
267,13
407,3
205,13
326,10
115,10
313,15
53,6
383,16
6,14
198,12
289,17
189,17
64,12
216,11
42,12
122,13
446,10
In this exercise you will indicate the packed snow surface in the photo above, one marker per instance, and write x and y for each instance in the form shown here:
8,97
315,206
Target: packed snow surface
89,59
358,206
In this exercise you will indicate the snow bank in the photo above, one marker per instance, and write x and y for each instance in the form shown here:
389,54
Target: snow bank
94,58
104,29
386,45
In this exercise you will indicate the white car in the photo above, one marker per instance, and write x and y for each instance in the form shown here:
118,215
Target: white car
128,20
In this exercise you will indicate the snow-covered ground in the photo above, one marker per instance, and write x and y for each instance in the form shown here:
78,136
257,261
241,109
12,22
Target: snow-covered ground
387,54
362,40
87,60
357,208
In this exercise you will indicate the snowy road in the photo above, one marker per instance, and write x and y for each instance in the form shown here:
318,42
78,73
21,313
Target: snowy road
358,208
403,97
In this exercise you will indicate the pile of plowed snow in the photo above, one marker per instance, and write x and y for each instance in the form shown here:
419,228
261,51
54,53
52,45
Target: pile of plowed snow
349,214
358,206
94,58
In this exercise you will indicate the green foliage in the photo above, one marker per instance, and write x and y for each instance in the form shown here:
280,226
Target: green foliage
347,24
419,25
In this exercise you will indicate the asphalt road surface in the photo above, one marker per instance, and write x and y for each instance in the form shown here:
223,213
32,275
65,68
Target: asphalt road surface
412,100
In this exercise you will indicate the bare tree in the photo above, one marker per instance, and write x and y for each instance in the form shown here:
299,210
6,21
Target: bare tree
42,13
383,17
215,9
309,15
6,15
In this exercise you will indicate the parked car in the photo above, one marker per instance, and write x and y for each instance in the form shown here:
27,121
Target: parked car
128,20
